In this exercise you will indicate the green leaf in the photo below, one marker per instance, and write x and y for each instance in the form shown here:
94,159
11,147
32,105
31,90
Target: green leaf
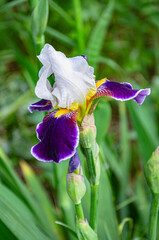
107,216
21,190
125,153
13,107
24,62
11,4
111,63
61,12
97,37
144,123
107,232
17,217
67,227
40,195
59,36
112,160
102,116
6,233
65,204
122,224
79,27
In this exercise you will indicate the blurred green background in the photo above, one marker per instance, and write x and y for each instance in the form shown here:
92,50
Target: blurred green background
121,40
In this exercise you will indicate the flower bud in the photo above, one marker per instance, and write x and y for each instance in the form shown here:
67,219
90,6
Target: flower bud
39,22
87,132
152,172
86,231
75,181
90,149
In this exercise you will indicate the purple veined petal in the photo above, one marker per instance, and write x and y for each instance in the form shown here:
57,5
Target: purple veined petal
59,137
42,105
121,92
74,162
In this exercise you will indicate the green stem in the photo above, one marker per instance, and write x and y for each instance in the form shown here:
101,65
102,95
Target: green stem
79,211
153,217
39,44
94,207
90,165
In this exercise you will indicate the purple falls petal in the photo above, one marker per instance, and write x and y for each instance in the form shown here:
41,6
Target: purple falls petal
74,162
59,137
42,105
121,92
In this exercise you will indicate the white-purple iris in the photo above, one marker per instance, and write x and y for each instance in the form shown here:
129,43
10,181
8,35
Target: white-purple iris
74,89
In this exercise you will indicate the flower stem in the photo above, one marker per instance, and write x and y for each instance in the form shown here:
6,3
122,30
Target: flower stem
153,217
79,211
94,207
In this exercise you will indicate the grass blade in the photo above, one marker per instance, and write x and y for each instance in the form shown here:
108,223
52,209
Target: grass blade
97,37
79,27
59,36
21,190
145,126
107,215
11,4
102,116
40,196
13,107
61,12
17,217
112,64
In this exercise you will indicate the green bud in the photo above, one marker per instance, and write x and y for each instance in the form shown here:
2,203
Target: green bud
90,149
86,231
87,132
76,187
152,172
39,21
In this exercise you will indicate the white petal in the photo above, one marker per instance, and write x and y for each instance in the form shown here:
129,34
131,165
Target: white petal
73,76
43,88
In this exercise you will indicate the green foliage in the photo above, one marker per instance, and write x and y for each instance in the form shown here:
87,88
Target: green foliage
121,41
17,217
97,37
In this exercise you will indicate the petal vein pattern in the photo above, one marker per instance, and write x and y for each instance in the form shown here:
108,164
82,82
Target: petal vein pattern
120,91
42,105
59,137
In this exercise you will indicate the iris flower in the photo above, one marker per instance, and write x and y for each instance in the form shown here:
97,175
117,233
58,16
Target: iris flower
70,98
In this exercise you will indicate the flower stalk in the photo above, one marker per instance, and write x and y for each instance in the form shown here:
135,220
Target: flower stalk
94,206
79,211
91,152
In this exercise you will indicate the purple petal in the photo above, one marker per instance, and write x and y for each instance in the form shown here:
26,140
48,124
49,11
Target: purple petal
42,105
59,137
74,162
121,91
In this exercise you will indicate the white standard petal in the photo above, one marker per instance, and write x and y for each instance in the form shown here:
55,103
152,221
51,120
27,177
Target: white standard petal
74,78
43,88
